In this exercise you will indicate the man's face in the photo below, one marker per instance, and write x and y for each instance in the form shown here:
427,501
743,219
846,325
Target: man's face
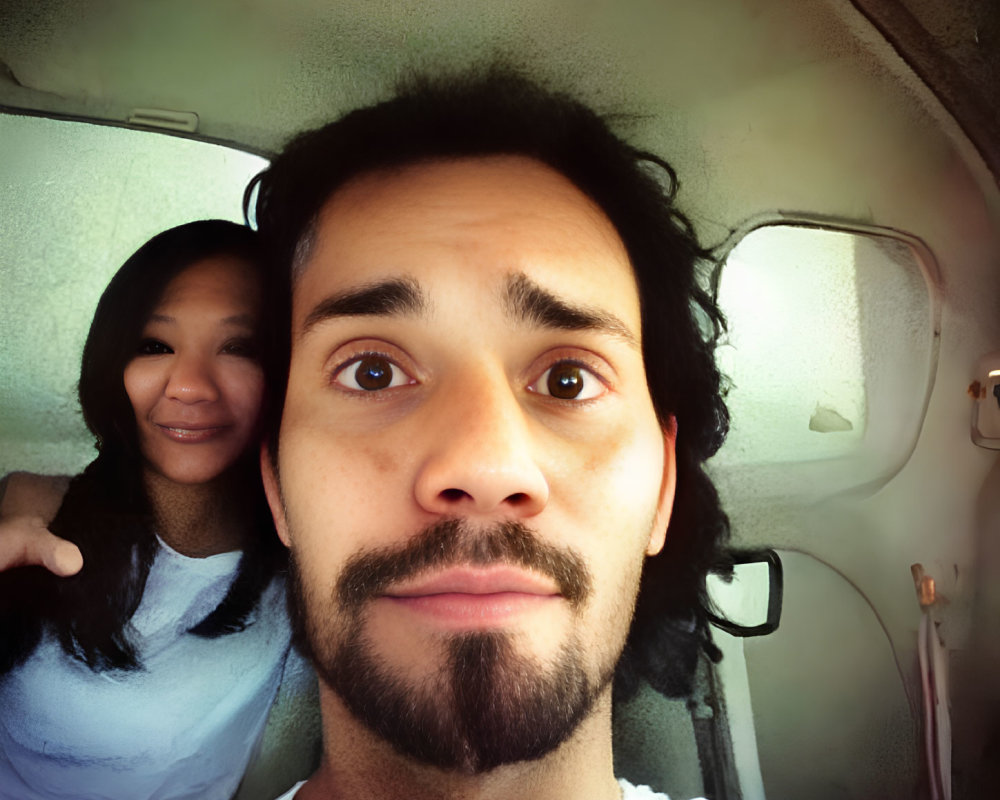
470,467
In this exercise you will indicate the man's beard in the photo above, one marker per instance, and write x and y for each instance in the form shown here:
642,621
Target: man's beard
489,705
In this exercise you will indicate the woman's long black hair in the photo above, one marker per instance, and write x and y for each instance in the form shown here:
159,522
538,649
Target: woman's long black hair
106,511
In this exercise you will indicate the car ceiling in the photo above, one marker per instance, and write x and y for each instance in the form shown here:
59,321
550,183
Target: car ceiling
714,92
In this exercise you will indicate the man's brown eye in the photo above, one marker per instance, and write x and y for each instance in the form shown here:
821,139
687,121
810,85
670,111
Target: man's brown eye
373,373
565,381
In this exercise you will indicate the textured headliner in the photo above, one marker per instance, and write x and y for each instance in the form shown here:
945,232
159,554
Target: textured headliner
714,90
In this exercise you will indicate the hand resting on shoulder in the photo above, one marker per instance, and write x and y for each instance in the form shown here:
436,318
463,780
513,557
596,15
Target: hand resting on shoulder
28,503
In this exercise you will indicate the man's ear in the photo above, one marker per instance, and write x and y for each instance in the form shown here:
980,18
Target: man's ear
668,485
273,492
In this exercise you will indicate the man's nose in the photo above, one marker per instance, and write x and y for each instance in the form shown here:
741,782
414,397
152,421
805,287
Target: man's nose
191,379
480,459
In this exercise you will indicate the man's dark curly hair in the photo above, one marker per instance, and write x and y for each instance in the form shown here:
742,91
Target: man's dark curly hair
499,112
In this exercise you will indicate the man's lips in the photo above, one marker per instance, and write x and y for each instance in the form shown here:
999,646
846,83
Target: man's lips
464,597
475,580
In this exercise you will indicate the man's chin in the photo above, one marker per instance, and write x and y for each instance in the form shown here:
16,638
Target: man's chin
488,706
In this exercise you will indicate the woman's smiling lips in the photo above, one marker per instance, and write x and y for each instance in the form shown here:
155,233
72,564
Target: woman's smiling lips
474,597
190,432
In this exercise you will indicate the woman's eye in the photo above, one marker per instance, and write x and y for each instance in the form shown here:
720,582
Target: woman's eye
371,373
240,347
152,347
568,381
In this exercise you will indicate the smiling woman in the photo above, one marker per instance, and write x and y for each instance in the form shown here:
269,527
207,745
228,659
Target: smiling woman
97,692
78,200
195,379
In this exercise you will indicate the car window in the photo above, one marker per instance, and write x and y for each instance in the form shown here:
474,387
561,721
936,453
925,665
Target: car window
830,350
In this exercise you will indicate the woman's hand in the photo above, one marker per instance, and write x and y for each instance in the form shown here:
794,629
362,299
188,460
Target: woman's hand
25,541
28,502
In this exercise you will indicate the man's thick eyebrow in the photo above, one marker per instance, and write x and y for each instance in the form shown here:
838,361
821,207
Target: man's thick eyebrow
526,301
395,297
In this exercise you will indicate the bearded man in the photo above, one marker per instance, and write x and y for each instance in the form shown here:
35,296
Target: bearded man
487,461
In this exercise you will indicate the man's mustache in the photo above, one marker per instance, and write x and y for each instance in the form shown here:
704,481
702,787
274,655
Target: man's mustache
453,542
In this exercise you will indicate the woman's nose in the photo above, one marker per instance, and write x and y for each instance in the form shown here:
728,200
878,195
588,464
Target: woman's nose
480,455
191,380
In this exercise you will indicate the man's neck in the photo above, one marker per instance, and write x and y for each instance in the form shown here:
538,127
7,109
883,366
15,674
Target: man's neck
360,766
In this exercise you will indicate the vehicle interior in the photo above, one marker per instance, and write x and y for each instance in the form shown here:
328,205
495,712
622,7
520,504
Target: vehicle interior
841,157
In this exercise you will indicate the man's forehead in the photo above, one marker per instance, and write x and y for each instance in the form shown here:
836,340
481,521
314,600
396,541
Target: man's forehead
496,218
418,184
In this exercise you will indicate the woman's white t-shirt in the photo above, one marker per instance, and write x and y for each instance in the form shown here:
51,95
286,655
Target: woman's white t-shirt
183,726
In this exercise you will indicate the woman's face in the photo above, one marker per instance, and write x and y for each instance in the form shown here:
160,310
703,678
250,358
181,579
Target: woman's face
195,382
